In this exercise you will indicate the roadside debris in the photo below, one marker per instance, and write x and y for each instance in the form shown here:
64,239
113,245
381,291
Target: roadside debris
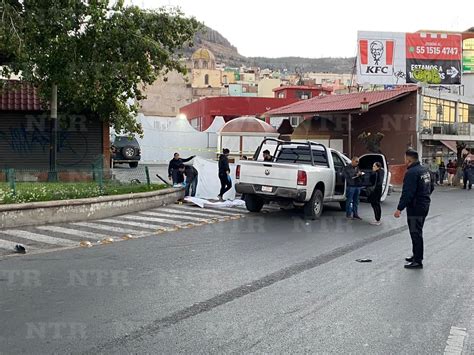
364,260
20,249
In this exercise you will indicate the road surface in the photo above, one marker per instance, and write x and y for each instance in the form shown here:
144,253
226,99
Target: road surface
265,283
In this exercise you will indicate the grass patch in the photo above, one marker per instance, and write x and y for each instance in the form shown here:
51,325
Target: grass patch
53,191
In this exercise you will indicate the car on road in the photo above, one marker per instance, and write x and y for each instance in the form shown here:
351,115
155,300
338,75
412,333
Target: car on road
305,174
125,150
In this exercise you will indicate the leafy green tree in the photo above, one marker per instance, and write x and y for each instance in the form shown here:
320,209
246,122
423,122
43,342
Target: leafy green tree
99,54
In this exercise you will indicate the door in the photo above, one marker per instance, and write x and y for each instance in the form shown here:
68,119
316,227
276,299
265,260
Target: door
365,164
339,188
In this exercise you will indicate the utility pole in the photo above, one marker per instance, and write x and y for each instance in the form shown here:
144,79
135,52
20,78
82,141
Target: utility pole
53,145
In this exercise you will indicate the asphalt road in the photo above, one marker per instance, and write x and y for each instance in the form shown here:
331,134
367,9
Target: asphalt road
267,283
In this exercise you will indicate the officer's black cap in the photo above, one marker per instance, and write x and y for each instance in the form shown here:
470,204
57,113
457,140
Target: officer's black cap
412,153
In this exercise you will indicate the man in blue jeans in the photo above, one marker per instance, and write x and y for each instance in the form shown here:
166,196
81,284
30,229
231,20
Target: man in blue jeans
353,175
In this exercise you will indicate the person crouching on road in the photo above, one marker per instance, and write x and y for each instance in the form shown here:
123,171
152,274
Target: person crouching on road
376,179
417,188
191,179
173,168
224,173
353,175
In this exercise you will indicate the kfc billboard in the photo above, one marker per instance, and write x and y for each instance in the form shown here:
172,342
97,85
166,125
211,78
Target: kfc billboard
381,58
391,58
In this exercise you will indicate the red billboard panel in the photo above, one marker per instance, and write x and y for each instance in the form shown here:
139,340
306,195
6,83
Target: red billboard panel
434,58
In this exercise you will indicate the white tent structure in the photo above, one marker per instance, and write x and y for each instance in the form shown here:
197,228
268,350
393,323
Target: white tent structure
163,136
243,135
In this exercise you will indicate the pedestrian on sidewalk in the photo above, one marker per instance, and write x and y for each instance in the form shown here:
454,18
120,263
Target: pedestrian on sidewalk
224,173
173,168
375,195
442,172
468,171
434,171
353,178
416,198
191,179
451,167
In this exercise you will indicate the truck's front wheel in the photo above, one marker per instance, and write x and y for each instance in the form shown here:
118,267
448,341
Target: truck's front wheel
314,207
253,203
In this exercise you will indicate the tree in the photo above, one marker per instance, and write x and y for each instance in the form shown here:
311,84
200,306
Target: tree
100,55
371,141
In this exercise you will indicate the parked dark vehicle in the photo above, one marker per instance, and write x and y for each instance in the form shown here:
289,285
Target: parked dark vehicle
125,150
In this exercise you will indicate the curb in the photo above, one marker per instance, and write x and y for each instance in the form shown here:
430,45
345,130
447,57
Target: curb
64,211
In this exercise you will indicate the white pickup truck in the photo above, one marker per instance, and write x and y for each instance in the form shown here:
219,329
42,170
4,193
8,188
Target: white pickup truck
306,174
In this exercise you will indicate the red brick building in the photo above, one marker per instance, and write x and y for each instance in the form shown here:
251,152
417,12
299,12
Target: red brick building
342,117
301,92
201,113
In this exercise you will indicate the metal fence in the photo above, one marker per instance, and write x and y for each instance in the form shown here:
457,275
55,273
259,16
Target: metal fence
31,185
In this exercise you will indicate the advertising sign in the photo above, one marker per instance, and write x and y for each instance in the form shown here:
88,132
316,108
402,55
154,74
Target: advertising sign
433,58
381,58
468,55
394,58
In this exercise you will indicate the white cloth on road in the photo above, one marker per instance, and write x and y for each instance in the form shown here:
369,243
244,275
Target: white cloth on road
208,179
205,203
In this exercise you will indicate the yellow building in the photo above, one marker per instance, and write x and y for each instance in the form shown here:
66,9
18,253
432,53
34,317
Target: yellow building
203,70
266,86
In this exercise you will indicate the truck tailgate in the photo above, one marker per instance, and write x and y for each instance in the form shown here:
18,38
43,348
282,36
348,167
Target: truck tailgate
269,174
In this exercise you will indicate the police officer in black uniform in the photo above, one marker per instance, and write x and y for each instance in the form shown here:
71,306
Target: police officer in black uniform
417,188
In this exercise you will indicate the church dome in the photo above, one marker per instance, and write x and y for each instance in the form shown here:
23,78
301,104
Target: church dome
204,54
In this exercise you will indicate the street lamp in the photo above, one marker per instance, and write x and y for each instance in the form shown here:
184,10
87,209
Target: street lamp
364,105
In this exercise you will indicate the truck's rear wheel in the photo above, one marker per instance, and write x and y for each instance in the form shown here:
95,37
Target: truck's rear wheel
314,207
253,203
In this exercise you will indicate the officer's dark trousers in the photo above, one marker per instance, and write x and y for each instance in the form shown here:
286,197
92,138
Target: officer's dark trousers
416,219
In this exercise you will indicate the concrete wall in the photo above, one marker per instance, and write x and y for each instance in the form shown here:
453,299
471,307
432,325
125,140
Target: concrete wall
198,78
165,98
37,213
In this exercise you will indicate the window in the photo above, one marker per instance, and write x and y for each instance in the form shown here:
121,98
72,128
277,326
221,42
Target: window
302,155
224,79
438,111
295,121
466,113
281,95
338,163
204,65
206,79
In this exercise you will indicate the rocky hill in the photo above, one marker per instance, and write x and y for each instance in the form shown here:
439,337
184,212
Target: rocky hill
226,53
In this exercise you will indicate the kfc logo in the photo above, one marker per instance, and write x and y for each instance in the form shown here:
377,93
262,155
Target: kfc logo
376,57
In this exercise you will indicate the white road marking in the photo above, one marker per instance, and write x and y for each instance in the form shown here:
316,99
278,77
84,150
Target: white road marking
455,342
151,219
178,213
40,237
133,224
74,232
207,211
106,227
156,214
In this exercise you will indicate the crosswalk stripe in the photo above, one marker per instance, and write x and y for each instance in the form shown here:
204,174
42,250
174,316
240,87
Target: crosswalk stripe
40,237
156,214
208,211
179,213
151,219
133,224
6,244
106,227
74,232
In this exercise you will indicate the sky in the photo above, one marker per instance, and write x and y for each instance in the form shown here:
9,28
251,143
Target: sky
305,28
